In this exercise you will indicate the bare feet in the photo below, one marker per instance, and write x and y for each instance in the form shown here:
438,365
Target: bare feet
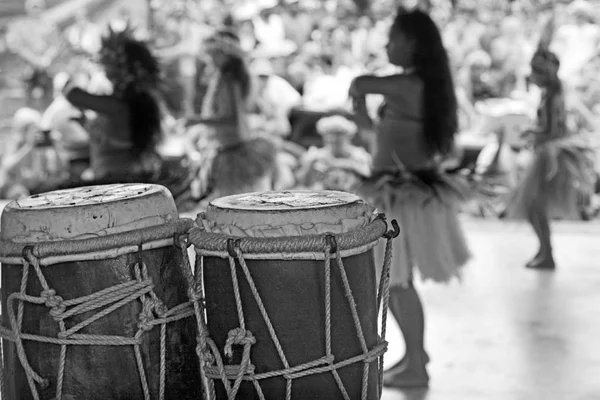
545,263
402,364
407,378
535,259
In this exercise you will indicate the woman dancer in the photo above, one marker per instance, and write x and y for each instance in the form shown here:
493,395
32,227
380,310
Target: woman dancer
417,129
561,172
128,124
236,160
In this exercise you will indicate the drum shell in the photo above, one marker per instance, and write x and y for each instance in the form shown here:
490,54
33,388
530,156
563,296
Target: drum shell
104,372
293,293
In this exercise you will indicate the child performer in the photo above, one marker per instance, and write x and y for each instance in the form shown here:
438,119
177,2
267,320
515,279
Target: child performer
241,162
562,168
416,131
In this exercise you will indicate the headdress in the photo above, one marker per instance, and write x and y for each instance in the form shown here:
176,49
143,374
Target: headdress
227,41
545,63
336,124
130,58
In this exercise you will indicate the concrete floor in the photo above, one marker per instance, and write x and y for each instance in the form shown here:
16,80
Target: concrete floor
508,333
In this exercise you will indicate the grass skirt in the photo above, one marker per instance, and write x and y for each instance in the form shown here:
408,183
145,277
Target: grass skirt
426,205
560,177
242,168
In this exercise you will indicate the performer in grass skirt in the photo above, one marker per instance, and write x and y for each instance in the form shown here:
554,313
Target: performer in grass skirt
235,159
417,128
561,173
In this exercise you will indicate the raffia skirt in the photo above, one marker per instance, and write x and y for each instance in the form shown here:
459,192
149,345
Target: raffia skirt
560,175
244,167
426,204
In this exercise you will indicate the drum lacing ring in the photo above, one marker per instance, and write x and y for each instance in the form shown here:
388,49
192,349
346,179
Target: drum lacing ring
332,243
232,245
393,233
27,252
177,241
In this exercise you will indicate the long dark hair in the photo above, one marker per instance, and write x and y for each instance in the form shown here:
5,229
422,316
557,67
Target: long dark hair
136,82
236,67
431,64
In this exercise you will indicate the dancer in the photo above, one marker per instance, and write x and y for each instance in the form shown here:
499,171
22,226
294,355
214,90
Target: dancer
562,168
238,160
417,129
127,128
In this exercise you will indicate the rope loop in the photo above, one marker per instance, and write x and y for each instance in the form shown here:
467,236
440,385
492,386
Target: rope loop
332,243
232,245
53,302
393,233
27,252
238,336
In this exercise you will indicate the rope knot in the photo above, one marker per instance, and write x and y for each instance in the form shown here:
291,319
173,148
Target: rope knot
195,292
53,302
149,309
160,309
238,336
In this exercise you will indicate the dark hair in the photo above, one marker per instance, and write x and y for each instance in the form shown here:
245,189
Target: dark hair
144,110
236,68
431,63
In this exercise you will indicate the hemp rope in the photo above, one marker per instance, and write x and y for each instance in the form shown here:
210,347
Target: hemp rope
213,367
153,311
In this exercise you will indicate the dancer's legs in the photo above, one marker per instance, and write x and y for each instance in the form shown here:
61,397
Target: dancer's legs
540,221
407,309
531,218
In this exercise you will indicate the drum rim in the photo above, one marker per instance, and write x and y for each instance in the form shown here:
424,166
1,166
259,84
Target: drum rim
346,200
16,205
96,248
309,247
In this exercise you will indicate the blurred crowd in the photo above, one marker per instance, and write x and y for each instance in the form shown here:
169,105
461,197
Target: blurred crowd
303,55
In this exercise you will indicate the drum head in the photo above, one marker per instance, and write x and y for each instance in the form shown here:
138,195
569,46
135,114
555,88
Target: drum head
87,212
288,213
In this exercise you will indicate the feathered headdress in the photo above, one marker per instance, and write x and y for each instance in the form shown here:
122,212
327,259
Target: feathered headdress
544,61
225,39
129,58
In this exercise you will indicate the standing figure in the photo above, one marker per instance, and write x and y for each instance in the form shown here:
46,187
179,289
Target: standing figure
36,41
127,126
235,160
561,171
417,128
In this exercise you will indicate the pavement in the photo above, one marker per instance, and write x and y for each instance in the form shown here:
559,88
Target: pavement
508,333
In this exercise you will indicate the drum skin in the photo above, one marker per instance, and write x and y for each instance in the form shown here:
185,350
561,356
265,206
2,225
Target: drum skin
293,292
102,372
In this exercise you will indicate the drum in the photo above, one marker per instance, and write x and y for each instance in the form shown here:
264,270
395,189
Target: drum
291,295
95,299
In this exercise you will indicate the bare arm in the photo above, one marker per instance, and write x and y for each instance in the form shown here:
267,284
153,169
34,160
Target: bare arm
102,104
198,119
370,84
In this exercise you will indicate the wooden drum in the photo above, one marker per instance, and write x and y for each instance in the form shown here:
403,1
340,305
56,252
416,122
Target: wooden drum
291,296
94,297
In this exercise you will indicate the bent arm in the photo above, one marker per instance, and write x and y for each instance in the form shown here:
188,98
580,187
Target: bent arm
102,104
384,85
